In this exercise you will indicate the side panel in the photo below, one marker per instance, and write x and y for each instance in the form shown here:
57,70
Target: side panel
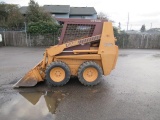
115,61
109,61
107,49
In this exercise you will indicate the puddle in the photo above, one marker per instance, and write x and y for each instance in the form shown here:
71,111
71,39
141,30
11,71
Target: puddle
32,106
157,55
123,55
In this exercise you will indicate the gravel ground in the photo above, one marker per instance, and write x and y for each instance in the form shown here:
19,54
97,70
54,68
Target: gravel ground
130,92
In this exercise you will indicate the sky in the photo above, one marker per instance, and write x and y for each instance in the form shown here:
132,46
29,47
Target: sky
139,11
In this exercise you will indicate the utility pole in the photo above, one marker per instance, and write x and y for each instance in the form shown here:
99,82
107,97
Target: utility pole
128,22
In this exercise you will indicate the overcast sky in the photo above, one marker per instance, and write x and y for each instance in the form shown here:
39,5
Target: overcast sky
140,11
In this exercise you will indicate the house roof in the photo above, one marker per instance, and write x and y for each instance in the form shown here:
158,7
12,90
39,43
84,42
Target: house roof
64,9
82,11
50,9
57,8
23,10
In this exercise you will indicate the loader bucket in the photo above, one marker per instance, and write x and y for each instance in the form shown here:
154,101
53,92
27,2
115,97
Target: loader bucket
30,79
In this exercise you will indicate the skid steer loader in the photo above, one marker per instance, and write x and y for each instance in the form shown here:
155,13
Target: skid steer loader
86,49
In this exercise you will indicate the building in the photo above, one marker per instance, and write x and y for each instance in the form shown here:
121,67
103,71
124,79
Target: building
65,11
59,11
83,12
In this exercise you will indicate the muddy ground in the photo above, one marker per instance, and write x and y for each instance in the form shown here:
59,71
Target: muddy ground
130,92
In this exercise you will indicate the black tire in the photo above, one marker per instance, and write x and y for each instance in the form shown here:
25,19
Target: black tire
83,67
58,64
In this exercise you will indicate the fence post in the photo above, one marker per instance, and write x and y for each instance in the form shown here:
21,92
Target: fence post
26,38
4,38
14,42
146,46
123,42
30,40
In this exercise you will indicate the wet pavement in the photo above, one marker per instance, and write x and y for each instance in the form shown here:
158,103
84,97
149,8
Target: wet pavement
130,92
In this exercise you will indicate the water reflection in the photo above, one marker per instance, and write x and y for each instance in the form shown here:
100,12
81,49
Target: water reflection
52,99
32,106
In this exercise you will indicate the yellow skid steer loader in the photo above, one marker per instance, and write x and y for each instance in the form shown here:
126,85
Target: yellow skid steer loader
86,49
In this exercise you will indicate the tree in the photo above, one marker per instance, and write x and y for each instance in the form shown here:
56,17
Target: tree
3,15
35,13
143,28
10,17
15,19
3,12
39,21
102,16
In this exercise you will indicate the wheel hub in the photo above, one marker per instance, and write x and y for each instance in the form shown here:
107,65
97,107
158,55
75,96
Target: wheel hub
57,74
90,74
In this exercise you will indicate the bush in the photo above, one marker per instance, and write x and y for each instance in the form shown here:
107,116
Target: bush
42,27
